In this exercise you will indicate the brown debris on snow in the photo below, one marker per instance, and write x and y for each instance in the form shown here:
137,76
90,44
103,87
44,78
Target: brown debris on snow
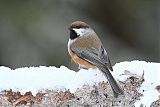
16,98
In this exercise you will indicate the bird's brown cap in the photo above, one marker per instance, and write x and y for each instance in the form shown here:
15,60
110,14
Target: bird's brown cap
78,24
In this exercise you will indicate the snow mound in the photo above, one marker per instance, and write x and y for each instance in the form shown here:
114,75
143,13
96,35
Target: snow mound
35,79
151,78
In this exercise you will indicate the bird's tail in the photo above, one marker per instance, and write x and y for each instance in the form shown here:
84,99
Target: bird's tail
115,87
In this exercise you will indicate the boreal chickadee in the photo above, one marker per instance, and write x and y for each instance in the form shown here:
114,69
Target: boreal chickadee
86,49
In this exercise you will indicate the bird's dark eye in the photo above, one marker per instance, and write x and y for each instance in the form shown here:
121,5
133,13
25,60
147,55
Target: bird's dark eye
73,34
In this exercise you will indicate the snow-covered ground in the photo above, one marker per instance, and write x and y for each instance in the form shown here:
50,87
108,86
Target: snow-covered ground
35,79
151,78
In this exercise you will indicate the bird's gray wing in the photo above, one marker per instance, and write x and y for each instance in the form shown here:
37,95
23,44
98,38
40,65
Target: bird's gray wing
103,55
91,55
95,56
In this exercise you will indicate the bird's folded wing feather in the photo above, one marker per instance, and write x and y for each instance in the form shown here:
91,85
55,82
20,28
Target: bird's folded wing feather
94,56
90,55
105,57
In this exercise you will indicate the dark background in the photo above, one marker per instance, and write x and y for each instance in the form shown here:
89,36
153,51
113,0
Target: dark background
35,32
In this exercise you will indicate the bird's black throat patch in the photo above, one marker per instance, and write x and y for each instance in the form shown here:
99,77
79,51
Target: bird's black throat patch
73,34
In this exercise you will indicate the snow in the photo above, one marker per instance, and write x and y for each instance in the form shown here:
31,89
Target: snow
36,79
151,72
151,77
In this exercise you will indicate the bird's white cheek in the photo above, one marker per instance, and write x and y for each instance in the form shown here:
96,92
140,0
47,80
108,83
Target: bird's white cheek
79,32
69,44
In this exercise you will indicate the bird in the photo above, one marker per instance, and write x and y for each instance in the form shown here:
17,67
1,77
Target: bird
86,49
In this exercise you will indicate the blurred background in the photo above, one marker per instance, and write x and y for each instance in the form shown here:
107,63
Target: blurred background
35,32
